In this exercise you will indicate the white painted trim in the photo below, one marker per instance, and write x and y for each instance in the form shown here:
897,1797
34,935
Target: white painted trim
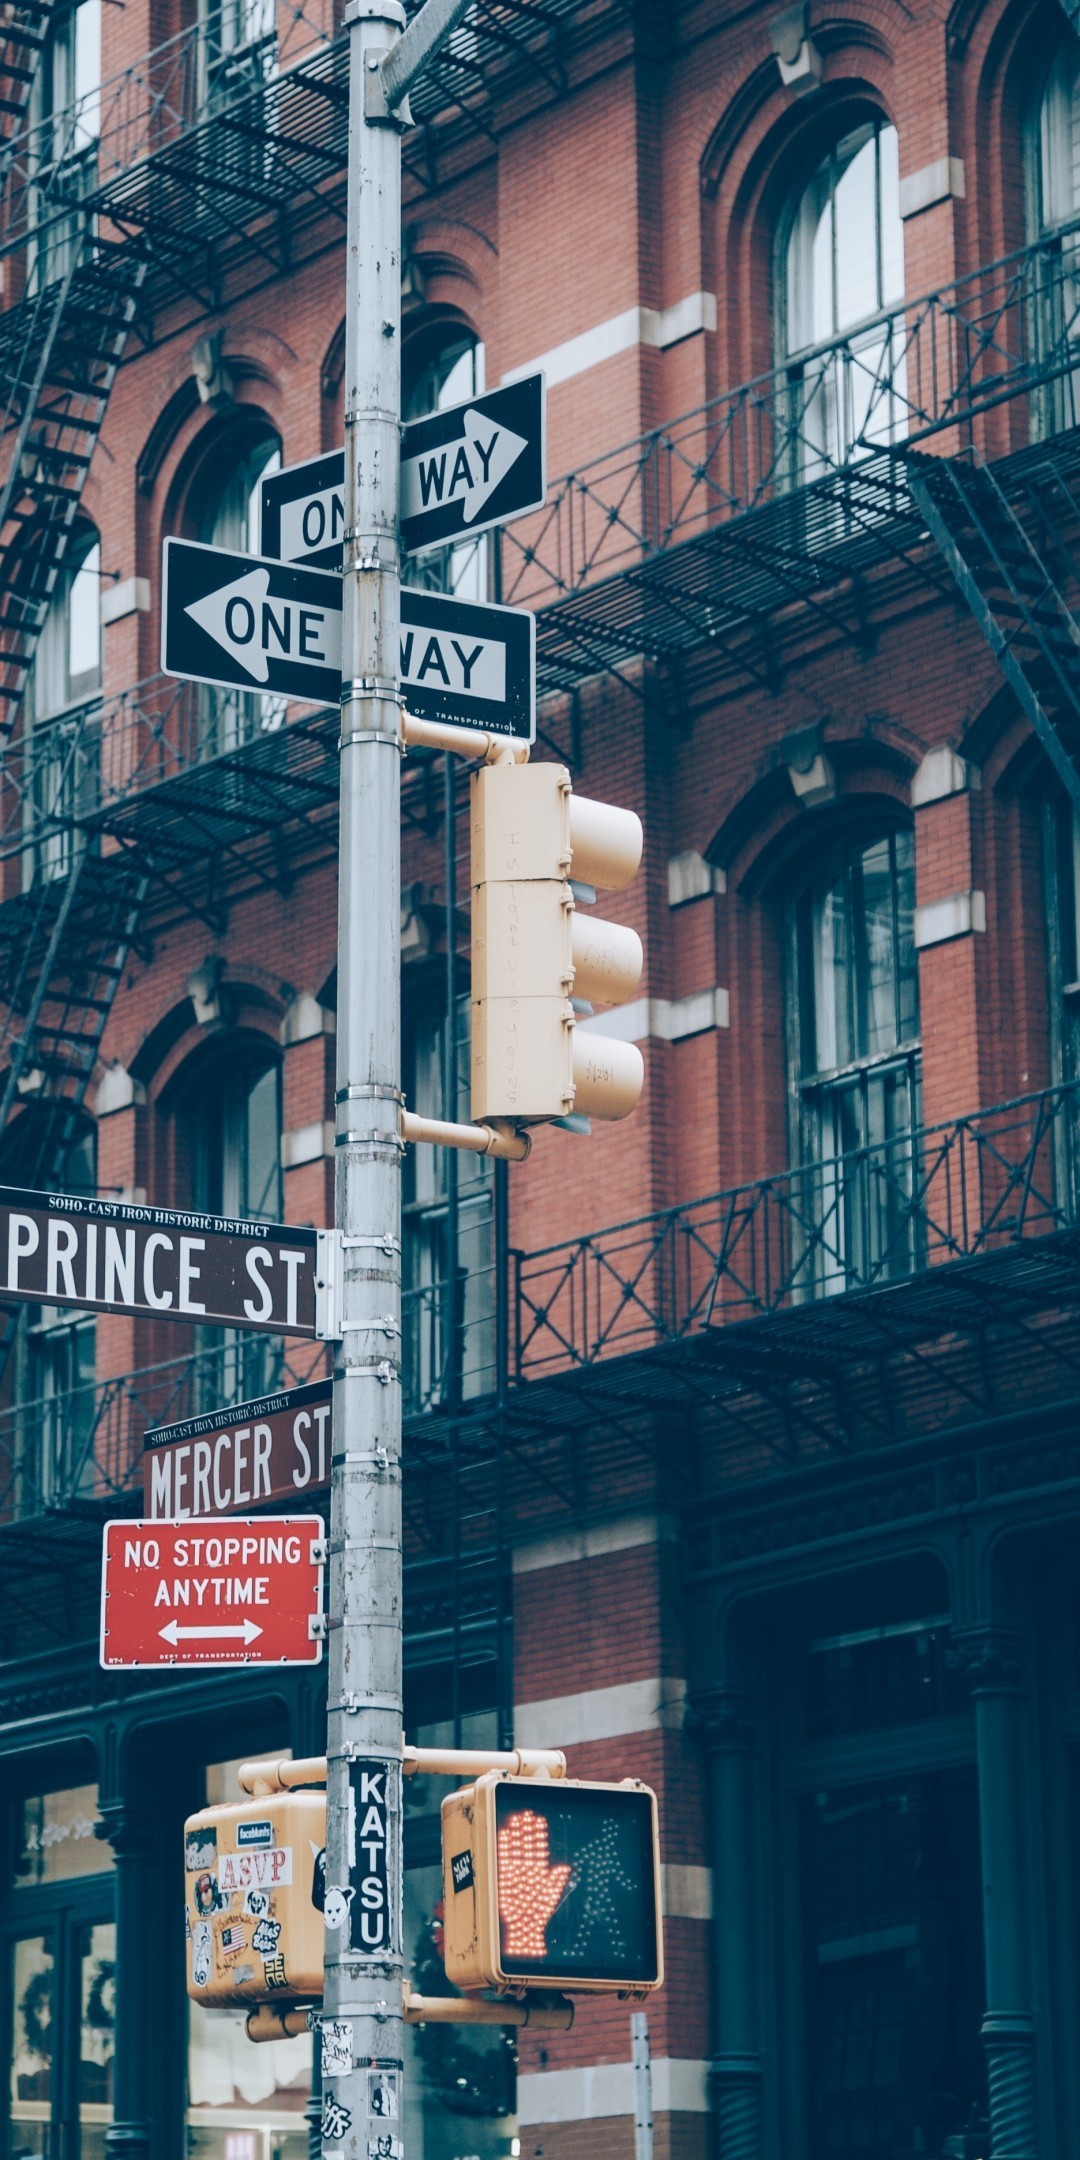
571,1547
601,1714
934,183
956,916
307,1144
597,2090
657,327
687,1892
663,1019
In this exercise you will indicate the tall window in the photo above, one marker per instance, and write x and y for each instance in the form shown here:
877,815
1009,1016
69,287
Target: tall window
233,1133
1056,203
444,368
66,117
844,265
54,1347
237,48
230,519
61,733
449,1331
858,1059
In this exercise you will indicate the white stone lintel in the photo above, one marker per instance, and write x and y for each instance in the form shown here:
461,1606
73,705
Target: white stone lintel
933,183
131,596
307,1144
958,915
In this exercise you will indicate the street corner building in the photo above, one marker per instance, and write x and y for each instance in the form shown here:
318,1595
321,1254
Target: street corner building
741,1436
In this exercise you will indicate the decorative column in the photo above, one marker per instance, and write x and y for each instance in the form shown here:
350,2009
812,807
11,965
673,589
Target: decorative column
724,1716
991,1660
138,1990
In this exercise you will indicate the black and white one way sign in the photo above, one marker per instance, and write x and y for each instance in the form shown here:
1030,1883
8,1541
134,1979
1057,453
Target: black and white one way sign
241,621
244,622
462,471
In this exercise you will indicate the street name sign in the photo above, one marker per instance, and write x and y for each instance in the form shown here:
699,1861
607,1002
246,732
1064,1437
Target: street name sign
168,1263
273,1449
463,471
207,1593
250,624
247,623
469,663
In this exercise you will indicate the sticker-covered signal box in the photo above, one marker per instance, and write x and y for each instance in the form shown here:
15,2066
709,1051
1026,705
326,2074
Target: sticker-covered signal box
552,1883
253,1872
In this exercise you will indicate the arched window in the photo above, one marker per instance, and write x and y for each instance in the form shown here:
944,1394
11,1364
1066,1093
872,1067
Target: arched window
444,365
227,516
230,1135
60,732
843,265
1055,194
856,1078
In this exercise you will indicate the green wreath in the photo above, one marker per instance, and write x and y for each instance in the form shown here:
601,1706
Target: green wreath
98,2013
37,1994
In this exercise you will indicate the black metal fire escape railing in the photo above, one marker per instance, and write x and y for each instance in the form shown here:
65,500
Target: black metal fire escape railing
978,1219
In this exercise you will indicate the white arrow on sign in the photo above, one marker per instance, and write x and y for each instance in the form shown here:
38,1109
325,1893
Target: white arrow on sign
254,629
465,472
174,1633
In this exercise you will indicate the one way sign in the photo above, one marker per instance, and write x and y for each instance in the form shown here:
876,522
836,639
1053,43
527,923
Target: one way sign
252,624
473,466
241,621
462,471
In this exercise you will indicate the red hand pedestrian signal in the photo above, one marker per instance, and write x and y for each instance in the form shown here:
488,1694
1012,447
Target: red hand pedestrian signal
531,1887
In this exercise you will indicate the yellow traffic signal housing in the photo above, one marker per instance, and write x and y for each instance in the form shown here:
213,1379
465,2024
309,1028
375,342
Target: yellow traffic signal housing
252,1875
533,952
552,1883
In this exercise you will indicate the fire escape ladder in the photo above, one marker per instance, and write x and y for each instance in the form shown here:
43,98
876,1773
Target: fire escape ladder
21,41
69,944
1012,594
59,354
63,949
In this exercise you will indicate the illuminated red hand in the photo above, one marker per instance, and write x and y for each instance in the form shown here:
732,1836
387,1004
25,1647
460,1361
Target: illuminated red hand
530,1886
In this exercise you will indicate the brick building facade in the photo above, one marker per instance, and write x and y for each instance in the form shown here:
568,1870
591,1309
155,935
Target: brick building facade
739,1438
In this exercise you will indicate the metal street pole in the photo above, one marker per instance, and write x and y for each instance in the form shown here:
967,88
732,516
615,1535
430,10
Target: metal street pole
362,1987
362,1999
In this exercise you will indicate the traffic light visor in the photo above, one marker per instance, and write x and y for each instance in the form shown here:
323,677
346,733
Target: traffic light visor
575,1883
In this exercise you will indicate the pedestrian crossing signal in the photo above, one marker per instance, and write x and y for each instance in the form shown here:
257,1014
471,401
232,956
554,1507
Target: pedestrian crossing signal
552,1883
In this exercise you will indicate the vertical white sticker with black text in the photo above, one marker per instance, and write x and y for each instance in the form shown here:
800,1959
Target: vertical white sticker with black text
376,1788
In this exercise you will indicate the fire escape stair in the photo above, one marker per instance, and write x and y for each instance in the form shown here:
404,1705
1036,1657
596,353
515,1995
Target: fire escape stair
21,41
1012,592
59,353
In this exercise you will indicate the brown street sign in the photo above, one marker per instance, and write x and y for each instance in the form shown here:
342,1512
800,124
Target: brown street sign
168,1263
273,1449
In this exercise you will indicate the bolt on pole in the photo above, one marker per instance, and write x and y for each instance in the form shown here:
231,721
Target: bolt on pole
363,1954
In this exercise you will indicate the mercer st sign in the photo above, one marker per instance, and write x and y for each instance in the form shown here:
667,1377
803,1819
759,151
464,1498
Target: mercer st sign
71,1249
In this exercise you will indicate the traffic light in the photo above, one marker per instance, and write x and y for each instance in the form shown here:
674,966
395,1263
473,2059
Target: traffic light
533,952
552,1883
253,1900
